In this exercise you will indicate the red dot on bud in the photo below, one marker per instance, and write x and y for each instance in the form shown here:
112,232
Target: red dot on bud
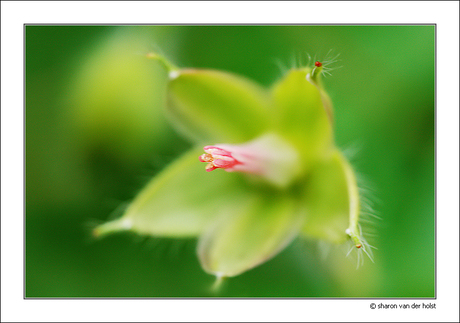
318,64
358,245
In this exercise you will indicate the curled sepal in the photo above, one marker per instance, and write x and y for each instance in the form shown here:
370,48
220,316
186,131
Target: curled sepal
208,105
258,229
331,200
269,157
179,202
302,117
325,99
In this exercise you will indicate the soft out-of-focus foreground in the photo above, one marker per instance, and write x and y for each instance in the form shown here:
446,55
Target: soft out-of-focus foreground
96,133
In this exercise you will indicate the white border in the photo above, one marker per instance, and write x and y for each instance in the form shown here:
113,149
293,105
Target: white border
15,14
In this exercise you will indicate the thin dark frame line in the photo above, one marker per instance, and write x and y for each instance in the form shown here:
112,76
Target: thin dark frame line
228,298
172,24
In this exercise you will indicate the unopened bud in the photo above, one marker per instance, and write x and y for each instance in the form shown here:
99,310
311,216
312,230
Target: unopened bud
268,156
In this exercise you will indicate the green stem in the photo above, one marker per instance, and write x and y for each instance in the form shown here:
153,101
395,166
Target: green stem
163,61
216,287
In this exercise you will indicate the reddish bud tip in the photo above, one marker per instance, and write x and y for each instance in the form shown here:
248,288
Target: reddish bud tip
217,158
318,64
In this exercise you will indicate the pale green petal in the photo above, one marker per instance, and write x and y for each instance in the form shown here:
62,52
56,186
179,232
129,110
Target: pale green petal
331,200
302,117
211,106
257,230
180,201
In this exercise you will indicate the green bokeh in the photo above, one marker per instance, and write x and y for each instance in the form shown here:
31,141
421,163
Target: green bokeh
383,100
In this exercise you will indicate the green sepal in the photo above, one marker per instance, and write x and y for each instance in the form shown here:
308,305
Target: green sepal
331,200
181,201
211,106
301,116
256,230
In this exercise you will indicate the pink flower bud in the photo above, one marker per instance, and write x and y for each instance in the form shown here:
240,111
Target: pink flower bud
218,158
268,156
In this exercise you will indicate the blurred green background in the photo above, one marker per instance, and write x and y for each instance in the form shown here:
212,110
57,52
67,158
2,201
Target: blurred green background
95,134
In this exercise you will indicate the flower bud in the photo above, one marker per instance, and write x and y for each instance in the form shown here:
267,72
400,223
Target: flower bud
269,157
218,158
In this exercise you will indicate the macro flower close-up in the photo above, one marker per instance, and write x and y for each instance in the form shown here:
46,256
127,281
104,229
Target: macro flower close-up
282,176
208,161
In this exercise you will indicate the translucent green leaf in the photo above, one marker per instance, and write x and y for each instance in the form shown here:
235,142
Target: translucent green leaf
257,230
212,106
181,201
301,116
331,200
